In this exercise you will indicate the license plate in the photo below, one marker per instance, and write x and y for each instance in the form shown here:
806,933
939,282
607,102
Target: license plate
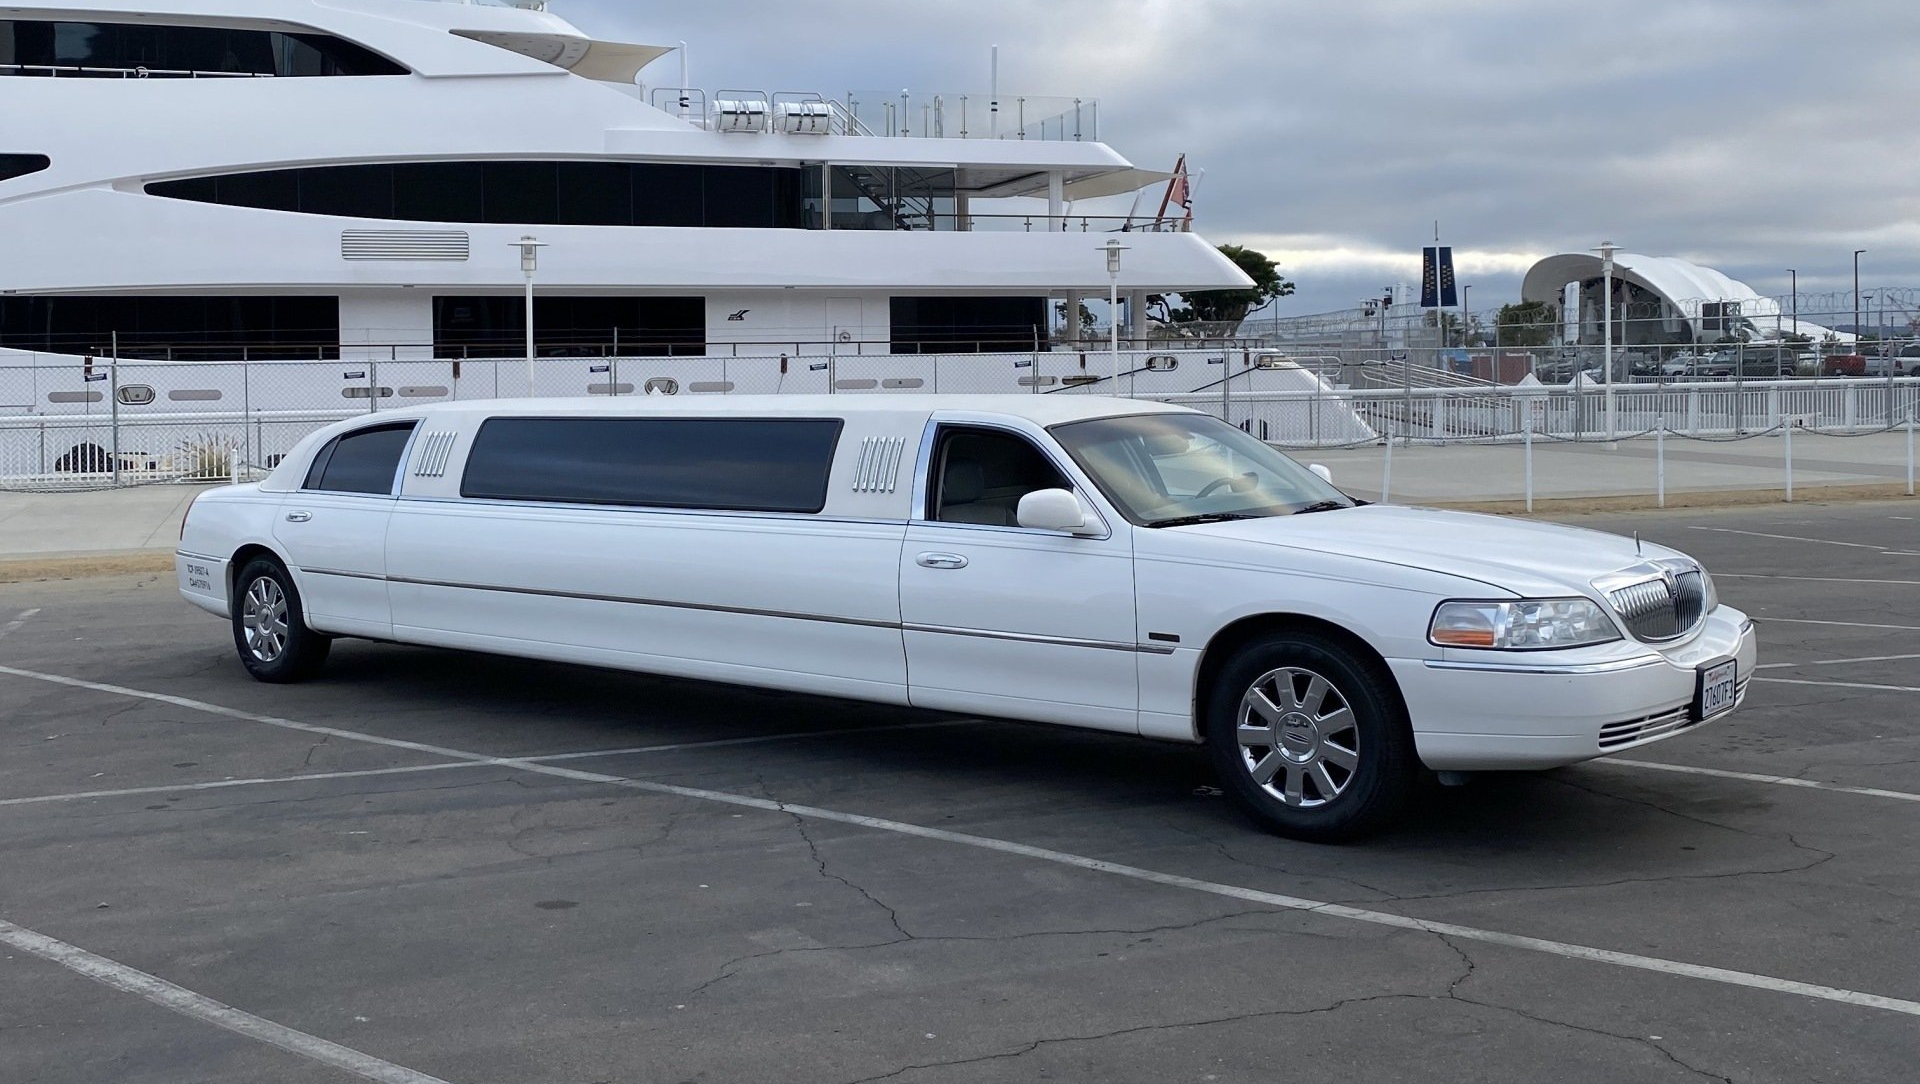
1719,687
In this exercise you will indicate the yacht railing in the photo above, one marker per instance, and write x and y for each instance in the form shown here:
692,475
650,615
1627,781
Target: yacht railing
931,116
72,71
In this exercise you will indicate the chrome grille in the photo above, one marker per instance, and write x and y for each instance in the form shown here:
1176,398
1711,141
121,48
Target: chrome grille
1666,607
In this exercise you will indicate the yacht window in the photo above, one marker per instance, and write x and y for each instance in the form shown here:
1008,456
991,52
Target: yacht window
985,472
519,193
66,49
724,464
363,461
175,328
19,165
968,325
495,327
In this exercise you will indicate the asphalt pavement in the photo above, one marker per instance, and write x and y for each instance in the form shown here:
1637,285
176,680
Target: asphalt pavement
439,866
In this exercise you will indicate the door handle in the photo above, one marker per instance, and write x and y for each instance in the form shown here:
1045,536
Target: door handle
941,560
299,517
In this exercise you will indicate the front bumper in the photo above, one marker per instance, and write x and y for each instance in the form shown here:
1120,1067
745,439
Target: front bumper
1527,711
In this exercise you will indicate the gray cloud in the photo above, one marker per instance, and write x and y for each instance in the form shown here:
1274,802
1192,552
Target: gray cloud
1750,135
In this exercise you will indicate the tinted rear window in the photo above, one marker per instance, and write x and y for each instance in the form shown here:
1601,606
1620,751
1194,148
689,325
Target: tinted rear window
364,461
727,464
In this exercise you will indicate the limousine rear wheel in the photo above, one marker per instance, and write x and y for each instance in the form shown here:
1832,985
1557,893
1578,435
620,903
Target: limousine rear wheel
272,637
1314,743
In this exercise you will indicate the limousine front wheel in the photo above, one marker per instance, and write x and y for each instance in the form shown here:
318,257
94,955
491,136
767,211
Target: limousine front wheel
1312,742
274,641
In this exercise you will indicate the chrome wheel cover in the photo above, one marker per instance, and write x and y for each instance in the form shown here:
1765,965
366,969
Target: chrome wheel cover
263,616
1298,737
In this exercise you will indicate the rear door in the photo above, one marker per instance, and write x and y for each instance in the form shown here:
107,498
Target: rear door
680,545
334,530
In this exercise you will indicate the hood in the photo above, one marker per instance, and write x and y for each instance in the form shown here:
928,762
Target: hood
1526,558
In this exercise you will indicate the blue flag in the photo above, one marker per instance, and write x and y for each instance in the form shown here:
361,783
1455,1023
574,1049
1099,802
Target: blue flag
1437,287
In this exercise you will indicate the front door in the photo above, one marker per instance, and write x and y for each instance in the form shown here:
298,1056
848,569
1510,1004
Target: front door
1006,620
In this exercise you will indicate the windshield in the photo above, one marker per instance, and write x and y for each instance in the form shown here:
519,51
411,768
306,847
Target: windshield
1165,469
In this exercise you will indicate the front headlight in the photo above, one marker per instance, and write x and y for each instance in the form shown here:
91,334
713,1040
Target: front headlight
1521,625
1712,602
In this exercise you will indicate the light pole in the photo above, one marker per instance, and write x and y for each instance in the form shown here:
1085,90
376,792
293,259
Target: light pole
1113,249
1466,320
1606,251
529,263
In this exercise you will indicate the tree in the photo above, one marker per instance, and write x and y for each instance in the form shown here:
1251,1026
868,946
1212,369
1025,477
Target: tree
1232,306
1529,323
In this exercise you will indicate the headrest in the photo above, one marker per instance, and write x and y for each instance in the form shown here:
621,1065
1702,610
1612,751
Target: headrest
965,482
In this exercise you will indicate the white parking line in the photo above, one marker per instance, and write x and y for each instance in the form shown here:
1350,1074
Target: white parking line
1563,949
1842,684
1790,538
200,1007
14,625
1838,624
1835,662
1810,579
1777,780
516,762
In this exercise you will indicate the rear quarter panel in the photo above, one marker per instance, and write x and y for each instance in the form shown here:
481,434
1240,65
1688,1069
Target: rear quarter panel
220,524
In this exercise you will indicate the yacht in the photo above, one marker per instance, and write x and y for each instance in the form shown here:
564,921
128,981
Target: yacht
387,189
356,175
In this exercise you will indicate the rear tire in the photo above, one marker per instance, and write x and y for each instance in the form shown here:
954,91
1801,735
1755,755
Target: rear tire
1311,741
269,628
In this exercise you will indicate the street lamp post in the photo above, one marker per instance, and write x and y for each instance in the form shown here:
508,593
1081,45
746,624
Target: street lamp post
1606,250
1113,249
1466,315
529,263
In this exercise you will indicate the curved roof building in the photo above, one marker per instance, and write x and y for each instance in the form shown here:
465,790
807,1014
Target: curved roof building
1659,301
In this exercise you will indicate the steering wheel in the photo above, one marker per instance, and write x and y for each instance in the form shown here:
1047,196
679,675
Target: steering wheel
1244,481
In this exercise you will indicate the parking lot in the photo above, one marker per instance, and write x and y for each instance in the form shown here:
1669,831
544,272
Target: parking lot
434,866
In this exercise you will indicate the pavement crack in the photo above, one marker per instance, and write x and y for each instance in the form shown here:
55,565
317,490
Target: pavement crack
820,863
1027,1048
1472,968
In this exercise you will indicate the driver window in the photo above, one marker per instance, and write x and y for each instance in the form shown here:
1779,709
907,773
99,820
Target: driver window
983,473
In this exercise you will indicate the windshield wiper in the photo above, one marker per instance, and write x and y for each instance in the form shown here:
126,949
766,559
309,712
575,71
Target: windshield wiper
1204,517
1321,506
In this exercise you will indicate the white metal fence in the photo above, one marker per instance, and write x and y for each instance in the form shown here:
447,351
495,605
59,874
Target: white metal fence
65,426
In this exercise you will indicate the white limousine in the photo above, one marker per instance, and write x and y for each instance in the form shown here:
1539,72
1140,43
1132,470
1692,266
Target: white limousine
1086,561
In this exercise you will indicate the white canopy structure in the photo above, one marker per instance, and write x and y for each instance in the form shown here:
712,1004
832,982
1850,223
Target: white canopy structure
1662,300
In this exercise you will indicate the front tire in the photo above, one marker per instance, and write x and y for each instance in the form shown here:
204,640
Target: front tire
1310,741
269,629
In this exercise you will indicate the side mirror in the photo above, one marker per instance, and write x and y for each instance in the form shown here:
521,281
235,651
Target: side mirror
1321,470
1052,510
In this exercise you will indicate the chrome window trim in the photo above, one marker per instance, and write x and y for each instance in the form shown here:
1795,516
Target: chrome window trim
510,504
921,512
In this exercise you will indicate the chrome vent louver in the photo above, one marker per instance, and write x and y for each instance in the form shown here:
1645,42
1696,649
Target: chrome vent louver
1660,601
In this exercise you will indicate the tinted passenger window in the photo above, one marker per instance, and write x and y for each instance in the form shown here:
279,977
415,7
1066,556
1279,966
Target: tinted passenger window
364,461
985,472
728,464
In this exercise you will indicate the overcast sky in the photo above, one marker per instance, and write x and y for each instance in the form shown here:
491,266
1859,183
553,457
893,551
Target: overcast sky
1748,135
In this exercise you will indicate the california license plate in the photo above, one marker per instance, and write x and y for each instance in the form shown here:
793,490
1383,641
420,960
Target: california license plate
1719,688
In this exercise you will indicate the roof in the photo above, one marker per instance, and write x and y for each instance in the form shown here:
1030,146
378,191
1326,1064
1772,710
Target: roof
1039,409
